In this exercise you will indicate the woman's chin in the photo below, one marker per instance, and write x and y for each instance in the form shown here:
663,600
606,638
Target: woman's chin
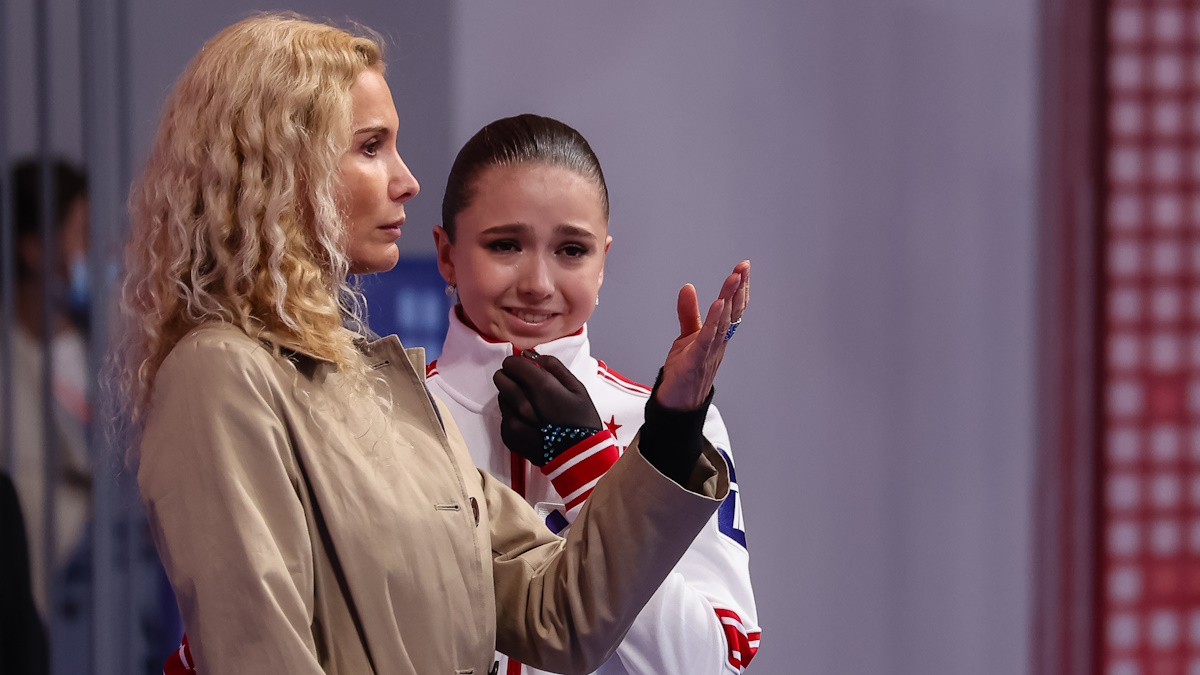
383,261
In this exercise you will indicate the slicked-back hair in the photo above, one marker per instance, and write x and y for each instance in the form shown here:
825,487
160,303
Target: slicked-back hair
523,139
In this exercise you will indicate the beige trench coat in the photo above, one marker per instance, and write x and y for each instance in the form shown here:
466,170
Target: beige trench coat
258,470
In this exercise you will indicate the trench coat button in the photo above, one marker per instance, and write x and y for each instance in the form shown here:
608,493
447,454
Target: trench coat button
475,510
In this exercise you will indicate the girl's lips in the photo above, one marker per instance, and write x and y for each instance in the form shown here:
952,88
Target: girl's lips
530,317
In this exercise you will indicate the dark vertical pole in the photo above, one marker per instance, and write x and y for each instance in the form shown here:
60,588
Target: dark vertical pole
1070,205
1091,195
104,70
7,257
48,233
133,522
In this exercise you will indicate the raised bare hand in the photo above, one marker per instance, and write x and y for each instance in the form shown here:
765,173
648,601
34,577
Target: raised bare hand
696,354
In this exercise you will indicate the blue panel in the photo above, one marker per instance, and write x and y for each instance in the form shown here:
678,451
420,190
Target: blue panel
727,513
411,302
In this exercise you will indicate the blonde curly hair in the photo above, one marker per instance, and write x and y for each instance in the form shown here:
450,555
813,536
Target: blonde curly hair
235,218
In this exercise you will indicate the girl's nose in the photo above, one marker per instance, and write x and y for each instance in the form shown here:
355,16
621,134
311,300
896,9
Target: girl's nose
536,279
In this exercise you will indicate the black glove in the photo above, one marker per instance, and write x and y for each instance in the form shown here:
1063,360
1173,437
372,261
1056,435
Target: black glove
544,409
672,440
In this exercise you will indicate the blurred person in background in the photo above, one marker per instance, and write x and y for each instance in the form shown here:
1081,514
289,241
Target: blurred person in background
64,270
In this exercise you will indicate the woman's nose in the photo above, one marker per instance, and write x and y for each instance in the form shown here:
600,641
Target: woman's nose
403,186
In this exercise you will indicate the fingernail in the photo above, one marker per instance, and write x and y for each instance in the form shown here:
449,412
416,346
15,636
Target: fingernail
530,354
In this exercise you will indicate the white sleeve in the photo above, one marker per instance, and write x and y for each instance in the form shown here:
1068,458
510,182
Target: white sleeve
703,618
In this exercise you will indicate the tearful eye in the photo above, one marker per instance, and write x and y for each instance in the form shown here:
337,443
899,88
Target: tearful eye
574,251
503,246
371,147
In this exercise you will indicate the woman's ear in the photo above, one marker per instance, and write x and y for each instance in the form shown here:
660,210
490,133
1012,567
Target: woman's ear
441,239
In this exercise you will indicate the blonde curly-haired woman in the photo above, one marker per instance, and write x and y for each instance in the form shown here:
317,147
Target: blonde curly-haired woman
315,509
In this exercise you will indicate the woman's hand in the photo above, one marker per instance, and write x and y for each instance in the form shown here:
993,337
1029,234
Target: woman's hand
696,354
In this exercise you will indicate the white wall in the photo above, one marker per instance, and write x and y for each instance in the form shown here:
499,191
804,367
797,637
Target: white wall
875,160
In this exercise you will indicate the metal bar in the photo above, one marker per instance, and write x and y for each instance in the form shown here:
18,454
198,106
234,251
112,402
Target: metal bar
124,102
134,521
1063,639
1092,195
47,227
105,117
8,258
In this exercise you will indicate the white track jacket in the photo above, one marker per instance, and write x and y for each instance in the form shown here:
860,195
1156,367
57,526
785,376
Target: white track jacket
703,618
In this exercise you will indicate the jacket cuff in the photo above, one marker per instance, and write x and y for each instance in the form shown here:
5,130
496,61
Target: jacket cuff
574,473
672,440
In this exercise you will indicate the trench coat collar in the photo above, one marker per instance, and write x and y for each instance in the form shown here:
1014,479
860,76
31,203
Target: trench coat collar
368,344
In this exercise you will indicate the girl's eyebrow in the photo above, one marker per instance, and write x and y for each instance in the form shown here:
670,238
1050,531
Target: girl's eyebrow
574,231
507,228
519,228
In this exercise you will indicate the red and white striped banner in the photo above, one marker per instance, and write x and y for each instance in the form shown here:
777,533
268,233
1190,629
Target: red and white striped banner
1149,590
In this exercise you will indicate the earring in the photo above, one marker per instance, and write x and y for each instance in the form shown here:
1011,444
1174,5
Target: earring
597,301
451,289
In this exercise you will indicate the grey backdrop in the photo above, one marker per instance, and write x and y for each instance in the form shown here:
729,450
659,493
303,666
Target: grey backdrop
875,160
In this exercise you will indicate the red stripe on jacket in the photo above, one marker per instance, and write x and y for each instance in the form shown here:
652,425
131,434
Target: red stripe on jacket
742,645
620,380
583,463
180,662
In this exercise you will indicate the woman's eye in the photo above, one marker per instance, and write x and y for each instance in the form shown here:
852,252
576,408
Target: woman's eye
573,250
371,147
